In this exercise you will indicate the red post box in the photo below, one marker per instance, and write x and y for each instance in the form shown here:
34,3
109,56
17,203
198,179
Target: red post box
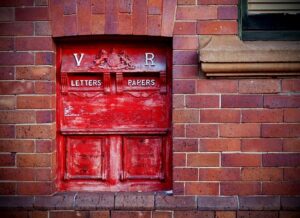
114,116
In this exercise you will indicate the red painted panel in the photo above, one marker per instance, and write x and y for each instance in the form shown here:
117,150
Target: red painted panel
114,116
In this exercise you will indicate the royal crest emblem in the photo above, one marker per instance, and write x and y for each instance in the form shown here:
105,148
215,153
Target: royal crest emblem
113,61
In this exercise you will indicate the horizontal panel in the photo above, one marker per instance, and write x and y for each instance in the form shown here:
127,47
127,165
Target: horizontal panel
264,6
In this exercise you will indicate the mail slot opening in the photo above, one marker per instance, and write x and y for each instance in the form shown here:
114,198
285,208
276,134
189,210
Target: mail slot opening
114,116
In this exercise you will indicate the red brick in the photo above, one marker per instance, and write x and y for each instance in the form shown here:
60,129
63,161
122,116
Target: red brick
291,145
291,85
139,17
291,115
69,7
196,13
35,73
217,2
201,188
17,116
70,25
57,11
261,174
240,188
111,18
43,174
179,159
35,102
125,24
201,130
98,6
154,25
7,102
84,17
43,116
34,188
6,14
44,58
184,87
14,3
219,174
7,73
35,131
280,130
262,116
240,130
99,214
220,145
281,160
185,71
262,145
225,214
241,160
202,101
44,146
131,214
185,42
281,101
162,214
203,160
34,43
227,13
217,86
241,101
280,188
291,174
259,86
289,214
217,27
185,145
16,29
168,17
193,214
33,160
42,28
8,188
178,130
178,101
189,57
70,214
44,87
16,145
6,44
184,28
7,131
219,116
17,174
16,87
16,58
7,159
178,188
154,7
186,2
34,14
98,23
185,116
254,214
185,174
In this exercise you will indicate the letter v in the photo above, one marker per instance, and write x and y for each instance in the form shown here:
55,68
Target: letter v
78,61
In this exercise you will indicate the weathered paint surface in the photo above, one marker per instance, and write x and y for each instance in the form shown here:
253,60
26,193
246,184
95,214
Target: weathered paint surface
114,120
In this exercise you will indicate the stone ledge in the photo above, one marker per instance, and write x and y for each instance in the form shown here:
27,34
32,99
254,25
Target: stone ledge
229,56
148,201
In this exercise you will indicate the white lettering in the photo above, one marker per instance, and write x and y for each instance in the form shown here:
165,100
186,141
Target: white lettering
141,82
85,83
149,57
78,60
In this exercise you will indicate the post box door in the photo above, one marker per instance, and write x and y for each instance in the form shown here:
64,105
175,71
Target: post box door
114,116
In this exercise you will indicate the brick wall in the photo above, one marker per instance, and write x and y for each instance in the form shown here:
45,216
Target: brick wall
232,137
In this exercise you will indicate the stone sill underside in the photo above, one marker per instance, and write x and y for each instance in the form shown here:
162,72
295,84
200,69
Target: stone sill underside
147,201
222,56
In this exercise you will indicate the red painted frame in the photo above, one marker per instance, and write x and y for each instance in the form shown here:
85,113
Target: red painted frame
126,130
